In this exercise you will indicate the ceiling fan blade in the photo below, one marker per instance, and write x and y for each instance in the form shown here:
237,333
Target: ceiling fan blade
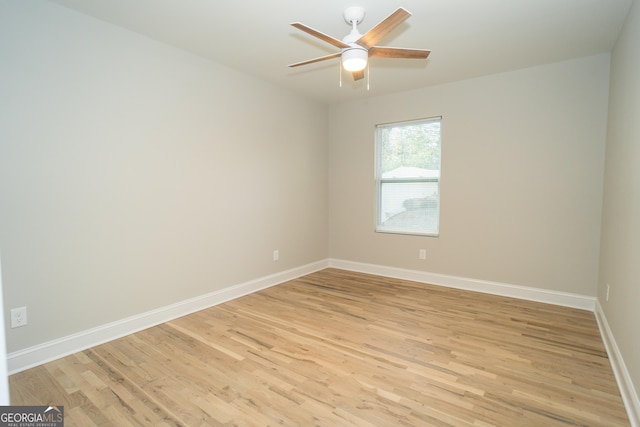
331,40
358,75
322,58
398,52
383,28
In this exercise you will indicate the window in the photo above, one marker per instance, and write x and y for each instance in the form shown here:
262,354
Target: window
408,177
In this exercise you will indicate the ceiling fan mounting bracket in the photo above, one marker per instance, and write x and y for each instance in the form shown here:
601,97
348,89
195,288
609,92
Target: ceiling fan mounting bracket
354,14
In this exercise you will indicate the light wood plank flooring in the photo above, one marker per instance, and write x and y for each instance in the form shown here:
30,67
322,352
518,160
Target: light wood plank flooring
340,348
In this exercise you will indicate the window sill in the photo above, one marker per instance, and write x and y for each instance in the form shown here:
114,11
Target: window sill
410,232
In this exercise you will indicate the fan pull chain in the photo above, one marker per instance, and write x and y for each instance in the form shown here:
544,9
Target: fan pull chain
340,70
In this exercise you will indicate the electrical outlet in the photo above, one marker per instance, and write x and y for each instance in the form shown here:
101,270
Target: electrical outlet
18,317
422,254
276,255
608,290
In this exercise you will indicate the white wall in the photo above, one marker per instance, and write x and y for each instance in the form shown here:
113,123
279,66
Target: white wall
522,172
134,175
620,247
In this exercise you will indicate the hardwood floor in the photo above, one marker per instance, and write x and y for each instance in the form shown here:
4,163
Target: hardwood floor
341,348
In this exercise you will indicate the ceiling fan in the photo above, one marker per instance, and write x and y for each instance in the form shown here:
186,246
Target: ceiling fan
356,49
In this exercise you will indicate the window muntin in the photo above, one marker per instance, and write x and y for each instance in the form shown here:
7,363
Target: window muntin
408,177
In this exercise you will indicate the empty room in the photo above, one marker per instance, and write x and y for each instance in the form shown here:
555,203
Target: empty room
321,213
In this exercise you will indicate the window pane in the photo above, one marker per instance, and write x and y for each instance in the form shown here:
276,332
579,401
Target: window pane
408,177
415,145
409,205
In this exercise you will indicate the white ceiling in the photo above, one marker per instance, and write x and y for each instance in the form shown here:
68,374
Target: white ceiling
468,38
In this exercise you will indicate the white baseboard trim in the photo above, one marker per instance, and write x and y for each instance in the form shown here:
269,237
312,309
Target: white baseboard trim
503,289
625,384
55,349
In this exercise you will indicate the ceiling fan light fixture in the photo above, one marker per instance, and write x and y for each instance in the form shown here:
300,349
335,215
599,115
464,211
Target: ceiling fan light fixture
354,59
355,47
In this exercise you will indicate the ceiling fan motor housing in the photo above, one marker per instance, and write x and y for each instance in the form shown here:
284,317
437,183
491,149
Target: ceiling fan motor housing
355,57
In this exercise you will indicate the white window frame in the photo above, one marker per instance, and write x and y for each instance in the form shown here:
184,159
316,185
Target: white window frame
379,181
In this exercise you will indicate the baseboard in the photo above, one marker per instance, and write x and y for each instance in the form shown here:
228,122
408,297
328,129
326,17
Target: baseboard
42,353
625,384
51,350
503,289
